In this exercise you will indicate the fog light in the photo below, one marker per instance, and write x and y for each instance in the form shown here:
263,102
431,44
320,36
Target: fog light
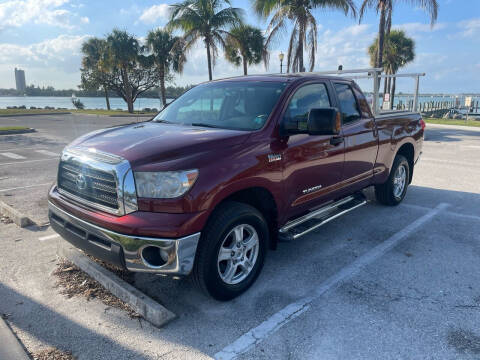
164,255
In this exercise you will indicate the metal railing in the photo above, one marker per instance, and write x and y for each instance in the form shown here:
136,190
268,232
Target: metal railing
376,75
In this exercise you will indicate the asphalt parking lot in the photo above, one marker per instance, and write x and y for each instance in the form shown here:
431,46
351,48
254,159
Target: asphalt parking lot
378,283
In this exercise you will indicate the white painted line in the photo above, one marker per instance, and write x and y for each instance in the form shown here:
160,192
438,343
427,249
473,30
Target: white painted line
12,155
46,152
276,321
28,161
449,213
448,162
43,238
25,187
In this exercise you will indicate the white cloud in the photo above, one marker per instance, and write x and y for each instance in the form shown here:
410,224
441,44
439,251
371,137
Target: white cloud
51,60
470,27
85,19
155,13
15,13
415,28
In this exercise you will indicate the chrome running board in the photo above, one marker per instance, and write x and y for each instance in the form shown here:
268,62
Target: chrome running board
313,220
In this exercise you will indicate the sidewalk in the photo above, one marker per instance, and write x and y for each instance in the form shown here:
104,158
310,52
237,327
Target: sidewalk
11,348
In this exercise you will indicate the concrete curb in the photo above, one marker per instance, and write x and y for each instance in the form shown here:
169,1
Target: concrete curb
16,216
151,310
11,349
35,114
14,132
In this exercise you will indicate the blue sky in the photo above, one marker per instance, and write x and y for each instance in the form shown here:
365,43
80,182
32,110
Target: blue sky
44,38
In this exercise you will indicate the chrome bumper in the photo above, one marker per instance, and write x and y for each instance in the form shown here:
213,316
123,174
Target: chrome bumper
124,250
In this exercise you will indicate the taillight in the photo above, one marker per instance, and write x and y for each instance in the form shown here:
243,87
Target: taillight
422,124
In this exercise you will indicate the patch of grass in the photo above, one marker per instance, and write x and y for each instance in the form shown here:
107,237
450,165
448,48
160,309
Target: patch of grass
475,123
83,111
74,282
52,353
6,128
27,111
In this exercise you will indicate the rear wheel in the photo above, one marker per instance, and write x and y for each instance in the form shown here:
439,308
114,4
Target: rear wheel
231,252
394,189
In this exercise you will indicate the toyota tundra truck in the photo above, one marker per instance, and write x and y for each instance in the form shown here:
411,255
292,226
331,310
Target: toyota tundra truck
226,172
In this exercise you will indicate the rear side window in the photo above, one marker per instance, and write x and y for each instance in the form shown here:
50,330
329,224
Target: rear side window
312,96
348,103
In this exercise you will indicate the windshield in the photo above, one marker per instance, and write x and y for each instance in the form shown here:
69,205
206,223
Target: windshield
242,105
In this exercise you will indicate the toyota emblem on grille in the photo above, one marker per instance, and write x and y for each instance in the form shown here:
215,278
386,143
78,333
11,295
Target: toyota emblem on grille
81,182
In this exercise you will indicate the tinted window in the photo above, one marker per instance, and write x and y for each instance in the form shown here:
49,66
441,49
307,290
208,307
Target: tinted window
229,105
313,96
348,104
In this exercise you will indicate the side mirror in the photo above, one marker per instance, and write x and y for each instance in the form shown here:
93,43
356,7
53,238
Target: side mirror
324,121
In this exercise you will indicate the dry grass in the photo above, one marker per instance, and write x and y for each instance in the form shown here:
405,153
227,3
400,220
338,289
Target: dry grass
74,282
52,354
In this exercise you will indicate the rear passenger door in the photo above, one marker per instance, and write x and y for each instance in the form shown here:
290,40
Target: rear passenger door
360,136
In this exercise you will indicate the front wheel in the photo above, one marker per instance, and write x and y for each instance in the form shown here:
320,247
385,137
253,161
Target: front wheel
394,189
232,250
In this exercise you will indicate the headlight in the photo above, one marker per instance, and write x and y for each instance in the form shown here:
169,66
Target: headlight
164,185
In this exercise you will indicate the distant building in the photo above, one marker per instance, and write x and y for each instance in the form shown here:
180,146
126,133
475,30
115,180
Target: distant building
20,80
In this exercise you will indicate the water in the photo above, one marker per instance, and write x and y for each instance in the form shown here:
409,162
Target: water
66,102
141,103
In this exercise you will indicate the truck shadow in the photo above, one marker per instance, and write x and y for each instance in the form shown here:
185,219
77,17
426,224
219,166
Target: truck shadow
449,135
53,329
293,271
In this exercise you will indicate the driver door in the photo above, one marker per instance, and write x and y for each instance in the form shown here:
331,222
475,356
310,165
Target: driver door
313,164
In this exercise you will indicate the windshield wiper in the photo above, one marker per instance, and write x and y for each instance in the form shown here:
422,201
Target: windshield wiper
205,125
163,121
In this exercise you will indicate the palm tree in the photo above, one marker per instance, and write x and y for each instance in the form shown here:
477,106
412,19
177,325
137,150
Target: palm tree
207,20
385,8
131,73
399,50
168,55
246,44
304,33
94,68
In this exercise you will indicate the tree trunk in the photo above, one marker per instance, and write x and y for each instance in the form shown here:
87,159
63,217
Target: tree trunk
300,49
244,65
209,60
107,100
381,35
162,86
128,90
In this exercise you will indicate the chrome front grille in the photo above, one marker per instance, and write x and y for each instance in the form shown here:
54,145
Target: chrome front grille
97,180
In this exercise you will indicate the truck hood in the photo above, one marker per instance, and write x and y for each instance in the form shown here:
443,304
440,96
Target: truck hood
151,143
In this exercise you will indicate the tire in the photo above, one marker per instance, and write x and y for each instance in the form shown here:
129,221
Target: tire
222,232
388,193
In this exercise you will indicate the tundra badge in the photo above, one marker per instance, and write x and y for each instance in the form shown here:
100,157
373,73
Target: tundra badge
274,157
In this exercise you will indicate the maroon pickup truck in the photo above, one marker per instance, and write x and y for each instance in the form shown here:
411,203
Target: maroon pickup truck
228,170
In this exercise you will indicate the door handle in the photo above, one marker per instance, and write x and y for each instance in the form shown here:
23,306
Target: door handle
336,140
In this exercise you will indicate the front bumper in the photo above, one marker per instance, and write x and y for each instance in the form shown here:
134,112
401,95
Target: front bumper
124,250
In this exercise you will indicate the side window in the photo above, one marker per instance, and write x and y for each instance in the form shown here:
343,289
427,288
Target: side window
362,103
348,103
308,97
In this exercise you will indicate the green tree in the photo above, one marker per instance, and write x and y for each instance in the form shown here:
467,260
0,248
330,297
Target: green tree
304,33
131,73
94,70
246,45
168,55
398,51
385,8
205,20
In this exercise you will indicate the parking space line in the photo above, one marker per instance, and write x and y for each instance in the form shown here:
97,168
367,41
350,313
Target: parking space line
43,238
25,187
12,155
46,152
450,213
288,313
28,161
